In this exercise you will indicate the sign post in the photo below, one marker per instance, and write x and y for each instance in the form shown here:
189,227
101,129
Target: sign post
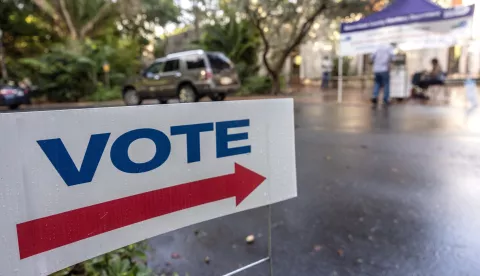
79,183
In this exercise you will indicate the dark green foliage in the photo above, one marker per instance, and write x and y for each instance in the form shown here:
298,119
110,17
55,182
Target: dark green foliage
128,261
66,63
256,85
103,93
63,74
24,33
238,39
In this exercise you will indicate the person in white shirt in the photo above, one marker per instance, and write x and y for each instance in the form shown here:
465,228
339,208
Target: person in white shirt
382,58
327,67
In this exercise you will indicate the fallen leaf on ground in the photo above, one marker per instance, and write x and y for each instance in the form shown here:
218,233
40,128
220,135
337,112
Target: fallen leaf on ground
250,239
340,252
350,237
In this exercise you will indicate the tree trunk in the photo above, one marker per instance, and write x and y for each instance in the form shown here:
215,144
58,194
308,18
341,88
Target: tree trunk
68,19
196,20
276,85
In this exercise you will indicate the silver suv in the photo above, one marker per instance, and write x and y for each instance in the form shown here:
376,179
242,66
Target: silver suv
187,76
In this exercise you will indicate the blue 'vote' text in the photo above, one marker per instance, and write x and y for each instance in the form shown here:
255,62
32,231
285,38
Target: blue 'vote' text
61,160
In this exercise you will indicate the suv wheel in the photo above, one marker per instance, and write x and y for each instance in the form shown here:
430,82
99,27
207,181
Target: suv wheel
187,94
217,97
130,97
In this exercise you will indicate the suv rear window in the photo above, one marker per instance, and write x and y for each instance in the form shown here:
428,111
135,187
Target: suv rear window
195,62
219,61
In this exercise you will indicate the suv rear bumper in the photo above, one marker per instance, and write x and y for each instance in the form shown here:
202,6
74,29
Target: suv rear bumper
224,89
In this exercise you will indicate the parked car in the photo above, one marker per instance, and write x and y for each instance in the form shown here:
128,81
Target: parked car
13,96
187,76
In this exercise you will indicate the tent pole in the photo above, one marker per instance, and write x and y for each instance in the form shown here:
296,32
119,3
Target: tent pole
340,79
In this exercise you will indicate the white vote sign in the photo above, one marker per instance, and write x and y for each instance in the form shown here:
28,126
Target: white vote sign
75,184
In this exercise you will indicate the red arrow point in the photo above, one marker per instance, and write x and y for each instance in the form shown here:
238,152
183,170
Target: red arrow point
246,181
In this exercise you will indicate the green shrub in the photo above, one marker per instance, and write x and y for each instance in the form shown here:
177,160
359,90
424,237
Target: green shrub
128,261
256,85
239,40
118,79
104,94
63,75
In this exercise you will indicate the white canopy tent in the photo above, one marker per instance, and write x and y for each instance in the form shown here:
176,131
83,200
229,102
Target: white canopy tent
412,24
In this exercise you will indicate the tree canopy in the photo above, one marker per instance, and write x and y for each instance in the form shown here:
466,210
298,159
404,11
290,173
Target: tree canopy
80,19
62,44
284,24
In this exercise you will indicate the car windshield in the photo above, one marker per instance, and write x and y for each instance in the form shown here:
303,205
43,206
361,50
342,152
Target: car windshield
219,61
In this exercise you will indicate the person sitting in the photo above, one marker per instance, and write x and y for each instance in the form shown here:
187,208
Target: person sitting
417,92
434,77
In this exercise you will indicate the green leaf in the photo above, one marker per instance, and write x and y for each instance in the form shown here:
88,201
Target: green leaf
125,265
140,255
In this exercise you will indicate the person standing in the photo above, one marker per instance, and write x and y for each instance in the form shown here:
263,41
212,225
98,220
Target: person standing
327,67
382,58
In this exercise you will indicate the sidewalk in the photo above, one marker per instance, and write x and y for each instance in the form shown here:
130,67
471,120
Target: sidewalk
314,95
66,105
304,94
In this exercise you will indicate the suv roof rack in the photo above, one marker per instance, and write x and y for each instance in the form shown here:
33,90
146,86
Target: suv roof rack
190,52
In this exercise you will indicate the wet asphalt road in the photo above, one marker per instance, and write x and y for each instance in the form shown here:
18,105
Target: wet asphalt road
381,192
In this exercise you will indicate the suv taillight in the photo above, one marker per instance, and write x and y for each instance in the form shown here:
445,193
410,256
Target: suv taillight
7,91
208,75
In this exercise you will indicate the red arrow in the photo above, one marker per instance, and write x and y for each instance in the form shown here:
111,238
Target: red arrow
44,234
